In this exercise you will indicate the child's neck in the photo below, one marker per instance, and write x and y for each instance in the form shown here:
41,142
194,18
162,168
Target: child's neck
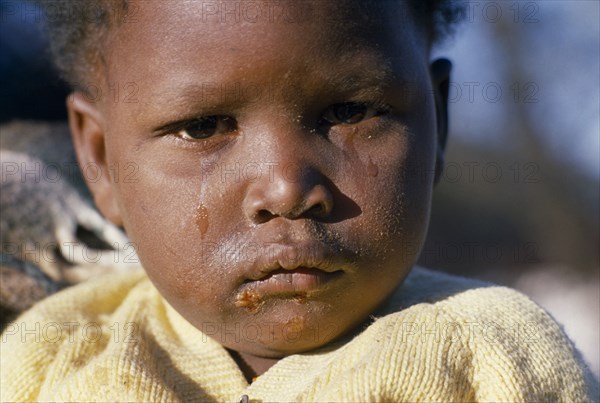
252,366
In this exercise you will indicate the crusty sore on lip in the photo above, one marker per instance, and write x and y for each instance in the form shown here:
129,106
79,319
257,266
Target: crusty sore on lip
252,300
300,297
249,299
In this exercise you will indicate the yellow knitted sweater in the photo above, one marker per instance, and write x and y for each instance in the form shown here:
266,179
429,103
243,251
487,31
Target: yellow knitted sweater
440,338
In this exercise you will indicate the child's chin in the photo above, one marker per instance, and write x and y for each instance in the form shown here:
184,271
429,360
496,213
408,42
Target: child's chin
284,329
280,349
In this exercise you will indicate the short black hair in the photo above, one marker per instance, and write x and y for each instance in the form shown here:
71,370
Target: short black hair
78,29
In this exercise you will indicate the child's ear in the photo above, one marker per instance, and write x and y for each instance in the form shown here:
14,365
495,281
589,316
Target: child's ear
85,122
440,75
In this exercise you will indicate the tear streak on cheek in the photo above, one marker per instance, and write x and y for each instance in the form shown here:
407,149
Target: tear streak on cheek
372,169
202,219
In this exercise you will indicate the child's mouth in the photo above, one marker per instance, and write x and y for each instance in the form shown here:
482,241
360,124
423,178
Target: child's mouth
295,272
294,284
300,279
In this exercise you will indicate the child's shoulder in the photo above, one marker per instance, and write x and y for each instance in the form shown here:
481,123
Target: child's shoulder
471,296
69,329
475,314
475,336
94,299
433,298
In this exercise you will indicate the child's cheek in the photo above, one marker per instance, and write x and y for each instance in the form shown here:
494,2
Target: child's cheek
396,202
372,177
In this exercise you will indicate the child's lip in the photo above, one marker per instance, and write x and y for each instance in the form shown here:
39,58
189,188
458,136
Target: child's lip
299,280
303,259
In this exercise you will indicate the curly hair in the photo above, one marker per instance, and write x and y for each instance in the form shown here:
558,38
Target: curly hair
78,29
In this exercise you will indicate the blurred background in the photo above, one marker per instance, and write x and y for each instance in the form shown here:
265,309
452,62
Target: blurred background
518,203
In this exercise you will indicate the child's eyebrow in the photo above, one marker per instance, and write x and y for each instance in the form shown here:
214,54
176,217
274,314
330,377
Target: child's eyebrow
365,71
370,85
360,81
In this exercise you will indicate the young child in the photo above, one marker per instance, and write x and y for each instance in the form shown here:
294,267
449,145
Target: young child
282,157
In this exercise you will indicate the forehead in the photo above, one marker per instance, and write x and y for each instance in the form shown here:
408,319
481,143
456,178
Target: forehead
234,38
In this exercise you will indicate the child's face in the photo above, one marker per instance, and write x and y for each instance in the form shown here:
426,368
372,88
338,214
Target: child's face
313,147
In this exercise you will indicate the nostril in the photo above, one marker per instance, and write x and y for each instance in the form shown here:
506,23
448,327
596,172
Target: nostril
318,211
262,216
320,201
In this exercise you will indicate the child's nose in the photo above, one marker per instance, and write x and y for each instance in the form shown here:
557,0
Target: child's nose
293,191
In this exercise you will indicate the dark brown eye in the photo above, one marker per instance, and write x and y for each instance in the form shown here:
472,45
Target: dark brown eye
349,113
205,127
